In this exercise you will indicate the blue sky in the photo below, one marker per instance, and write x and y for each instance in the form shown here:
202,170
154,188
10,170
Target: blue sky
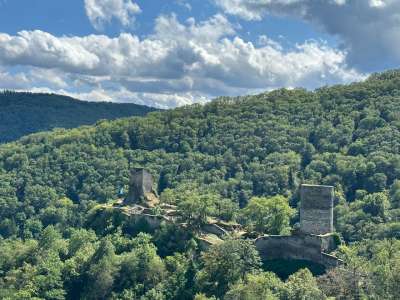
168,53
69,18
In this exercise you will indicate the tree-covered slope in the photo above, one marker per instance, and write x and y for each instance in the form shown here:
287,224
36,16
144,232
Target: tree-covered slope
237,156
25,113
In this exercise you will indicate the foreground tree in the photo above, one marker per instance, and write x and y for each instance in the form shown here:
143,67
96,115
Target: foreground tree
141,269
350,281
302,286
226,263
268,215
101,273
256,287
196,209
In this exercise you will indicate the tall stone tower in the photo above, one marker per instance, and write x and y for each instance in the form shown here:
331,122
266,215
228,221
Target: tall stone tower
316,209
140,186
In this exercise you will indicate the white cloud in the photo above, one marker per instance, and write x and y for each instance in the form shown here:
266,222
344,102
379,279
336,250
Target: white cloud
41,49
123,95
377,3
13,81
368,29
101,12
184,4
48,77
180,63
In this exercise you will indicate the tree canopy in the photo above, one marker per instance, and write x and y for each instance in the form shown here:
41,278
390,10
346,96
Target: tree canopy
239,159
25,113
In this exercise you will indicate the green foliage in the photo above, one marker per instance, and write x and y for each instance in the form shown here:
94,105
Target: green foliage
196,209
237,159
225,263
203,297
141,268
25,113
395,194
256,287
101,272
302,286
299,286
268,215
170,238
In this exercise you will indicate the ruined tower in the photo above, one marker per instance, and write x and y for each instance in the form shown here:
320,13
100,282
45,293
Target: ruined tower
140,186
316,209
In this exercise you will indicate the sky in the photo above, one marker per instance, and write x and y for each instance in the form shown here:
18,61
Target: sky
169,53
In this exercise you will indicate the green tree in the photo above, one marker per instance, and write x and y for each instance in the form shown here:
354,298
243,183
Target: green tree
302,286
48,279
224,264
350,281
101,272
256,287
376,204
268,215
395,194
141,269
196,209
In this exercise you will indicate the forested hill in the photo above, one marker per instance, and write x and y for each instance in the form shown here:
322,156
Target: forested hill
25,113
236,159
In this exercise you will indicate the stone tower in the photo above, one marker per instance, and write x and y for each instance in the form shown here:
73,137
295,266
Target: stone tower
316,209
140,186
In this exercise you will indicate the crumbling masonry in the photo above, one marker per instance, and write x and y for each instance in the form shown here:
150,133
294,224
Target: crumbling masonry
315,240
316,209
141,188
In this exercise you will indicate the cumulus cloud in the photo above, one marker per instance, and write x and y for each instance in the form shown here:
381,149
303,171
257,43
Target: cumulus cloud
48,77
179,63
13,81
368,29
101,12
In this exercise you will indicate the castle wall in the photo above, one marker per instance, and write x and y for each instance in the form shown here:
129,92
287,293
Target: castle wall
154,222
330,261
312,243
302,247
214,229
316,209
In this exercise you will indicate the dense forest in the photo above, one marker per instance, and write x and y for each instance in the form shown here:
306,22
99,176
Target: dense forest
25,113
231,159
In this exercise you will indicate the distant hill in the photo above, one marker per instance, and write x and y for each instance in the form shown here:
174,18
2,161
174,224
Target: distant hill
25,113
237,159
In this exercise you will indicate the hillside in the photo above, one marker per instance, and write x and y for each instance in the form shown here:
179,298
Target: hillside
229,159
25,113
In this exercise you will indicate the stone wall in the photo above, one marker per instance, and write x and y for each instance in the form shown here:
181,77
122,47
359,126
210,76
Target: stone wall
153,221
214,229
313,242
330,261
316,209
304,247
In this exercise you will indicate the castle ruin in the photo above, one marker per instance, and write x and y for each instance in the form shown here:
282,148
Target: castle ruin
140,188
316,209
315,240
